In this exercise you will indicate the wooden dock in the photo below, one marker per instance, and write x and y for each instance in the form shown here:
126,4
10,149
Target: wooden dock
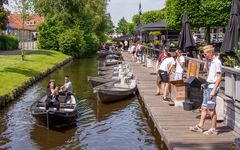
173,123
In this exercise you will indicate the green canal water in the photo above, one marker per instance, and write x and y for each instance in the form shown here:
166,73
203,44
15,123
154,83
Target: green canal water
122,125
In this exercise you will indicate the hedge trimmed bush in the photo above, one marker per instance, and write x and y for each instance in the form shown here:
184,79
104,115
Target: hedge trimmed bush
72,42
8,43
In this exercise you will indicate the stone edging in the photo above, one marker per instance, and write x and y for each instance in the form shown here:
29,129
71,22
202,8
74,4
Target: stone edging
5,99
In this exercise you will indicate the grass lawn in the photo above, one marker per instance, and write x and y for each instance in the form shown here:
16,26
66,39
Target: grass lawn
14,72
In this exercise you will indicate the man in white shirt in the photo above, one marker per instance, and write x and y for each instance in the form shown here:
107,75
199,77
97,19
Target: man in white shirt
195,38
164,71
214,67
180,60
66,89
125,45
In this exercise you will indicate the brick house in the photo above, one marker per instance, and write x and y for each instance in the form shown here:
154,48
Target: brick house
15,26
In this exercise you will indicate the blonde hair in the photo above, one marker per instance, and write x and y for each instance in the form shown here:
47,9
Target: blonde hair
208,48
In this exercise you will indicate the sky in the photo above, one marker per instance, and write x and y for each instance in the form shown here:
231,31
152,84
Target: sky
127,8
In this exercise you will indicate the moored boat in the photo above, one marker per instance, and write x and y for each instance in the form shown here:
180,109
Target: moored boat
96,81
112,91
110,62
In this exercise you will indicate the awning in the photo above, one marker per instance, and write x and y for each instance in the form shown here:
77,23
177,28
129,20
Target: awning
155,26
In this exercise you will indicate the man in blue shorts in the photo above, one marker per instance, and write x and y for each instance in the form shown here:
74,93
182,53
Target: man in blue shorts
214,67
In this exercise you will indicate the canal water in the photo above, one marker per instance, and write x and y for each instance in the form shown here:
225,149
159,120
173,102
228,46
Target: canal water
122,125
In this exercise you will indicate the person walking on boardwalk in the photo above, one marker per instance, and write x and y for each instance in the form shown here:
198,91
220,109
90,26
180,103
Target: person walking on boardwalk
139,52
214,67
125,45
165,70
160,58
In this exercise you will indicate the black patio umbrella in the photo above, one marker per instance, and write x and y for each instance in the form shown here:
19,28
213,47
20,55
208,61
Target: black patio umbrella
186,38
231,38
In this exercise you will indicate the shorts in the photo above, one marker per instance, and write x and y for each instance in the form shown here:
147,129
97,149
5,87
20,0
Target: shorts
164,76
209,104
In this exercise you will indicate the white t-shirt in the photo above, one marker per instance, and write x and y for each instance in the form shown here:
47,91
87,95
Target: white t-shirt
126,43
68,86
166,63
179,68
214,67
195,38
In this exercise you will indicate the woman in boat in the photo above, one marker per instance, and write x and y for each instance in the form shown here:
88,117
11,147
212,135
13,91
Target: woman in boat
52,95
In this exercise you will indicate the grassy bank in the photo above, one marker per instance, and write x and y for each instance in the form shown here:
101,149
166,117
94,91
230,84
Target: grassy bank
14,72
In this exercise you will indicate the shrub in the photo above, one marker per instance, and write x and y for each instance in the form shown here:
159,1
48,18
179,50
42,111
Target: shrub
49,32
109,42
92,43
72,42
8,43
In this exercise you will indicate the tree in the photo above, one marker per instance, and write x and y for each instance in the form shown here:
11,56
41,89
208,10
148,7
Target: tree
23,7
3,14
88,16
175,8
3,2
109,24
49,32
130,28
215,12
3,18
147,17
122,26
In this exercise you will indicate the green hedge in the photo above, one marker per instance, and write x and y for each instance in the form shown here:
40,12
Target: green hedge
8,43
71,42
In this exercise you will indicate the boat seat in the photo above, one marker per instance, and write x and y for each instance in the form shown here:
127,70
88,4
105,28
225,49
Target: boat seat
121,85
62,105
131,84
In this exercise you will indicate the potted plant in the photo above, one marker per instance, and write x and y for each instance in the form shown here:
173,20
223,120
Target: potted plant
228,61
237,60
232,79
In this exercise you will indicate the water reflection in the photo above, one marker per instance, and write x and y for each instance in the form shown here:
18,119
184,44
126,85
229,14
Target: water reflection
48,139
104,111
120,125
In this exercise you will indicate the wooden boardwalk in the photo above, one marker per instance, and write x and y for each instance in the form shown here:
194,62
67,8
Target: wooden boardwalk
173,123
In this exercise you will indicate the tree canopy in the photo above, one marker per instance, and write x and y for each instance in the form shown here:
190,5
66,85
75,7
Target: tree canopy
3,18
88,17
202,13
149,16
122,26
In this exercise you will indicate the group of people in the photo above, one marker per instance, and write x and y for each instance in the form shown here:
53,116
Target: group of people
164,67
137,52
213,66
53,92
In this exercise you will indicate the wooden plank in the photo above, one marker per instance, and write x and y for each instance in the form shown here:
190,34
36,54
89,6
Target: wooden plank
193,68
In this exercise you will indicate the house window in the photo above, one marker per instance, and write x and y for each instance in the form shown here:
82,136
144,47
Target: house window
30,22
